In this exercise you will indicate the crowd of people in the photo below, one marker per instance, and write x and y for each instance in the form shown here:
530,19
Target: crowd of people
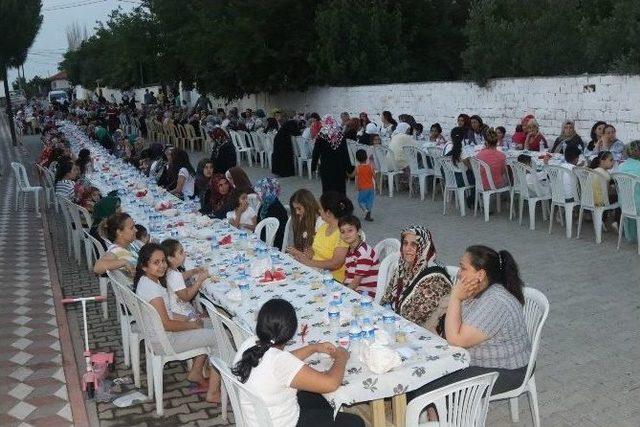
481,310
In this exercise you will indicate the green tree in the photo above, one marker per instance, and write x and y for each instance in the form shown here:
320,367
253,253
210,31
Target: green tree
37,86
20,21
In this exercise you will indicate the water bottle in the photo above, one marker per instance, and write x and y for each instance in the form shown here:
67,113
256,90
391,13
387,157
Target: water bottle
334,315
368,331
355,335
244,289
336,294
366,302
389,322
327,280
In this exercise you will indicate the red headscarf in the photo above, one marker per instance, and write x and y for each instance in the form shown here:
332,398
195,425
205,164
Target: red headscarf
218,199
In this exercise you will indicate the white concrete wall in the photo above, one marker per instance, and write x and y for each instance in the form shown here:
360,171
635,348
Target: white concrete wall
503,102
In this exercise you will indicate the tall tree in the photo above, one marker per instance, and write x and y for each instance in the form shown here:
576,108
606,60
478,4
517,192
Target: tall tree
20,21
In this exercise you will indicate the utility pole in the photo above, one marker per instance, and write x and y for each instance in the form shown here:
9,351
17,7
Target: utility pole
12,128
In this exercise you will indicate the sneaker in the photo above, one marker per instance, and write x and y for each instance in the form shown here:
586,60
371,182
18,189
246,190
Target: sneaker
367,217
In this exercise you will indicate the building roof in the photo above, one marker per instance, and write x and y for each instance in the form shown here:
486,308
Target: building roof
62,75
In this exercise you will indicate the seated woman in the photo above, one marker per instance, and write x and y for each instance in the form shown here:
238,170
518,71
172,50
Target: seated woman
65,181
609,142
603,163
328,251
242,215
504,140
290,389
305,220
485,315
239,179
539,178
435,134
535,140
186,177
84,162
204,172
268,190
632,166
120,229
568,137
150,284
419,289
217,200
494,158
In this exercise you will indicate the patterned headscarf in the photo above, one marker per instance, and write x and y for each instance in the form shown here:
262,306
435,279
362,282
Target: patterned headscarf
218,199
219,137
268,189
405,273
331,131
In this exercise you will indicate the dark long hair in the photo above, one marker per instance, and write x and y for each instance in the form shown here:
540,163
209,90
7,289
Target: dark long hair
277,324
143,259
500,268
601,156
65,165
457,135
594,137
336,203
181,160
84,158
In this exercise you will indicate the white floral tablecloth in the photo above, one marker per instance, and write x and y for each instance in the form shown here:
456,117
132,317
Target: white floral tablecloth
426,357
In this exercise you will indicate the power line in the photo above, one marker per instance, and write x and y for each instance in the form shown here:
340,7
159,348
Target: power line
73,5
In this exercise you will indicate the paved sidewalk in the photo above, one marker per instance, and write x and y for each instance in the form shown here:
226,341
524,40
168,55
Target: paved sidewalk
31,363
588,371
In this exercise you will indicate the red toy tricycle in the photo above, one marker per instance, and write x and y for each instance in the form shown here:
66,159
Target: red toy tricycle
98,363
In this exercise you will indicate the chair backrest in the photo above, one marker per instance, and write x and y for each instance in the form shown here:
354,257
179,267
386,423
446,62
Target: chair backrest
480,169
225,348
536,311
286,238
351,148
557,177
235,140
234,388
45,177
520,171
295,146
382,162
304,150
413,154
267,142
20,173
386,247
118,281
460,404
449,171
385,271
64,208
257,140
254,201
74,212
589,180
628,187
244,139
271,224
453,271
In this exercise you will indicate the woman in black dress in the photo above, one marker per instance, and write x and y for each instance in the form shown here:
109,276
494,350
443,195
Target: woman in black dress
268,189
282,157
223,154
331,150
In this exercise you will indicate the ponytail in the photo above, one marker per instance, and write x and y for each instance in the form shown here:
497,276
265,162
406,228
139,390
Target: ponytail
336,203
500,267
277,324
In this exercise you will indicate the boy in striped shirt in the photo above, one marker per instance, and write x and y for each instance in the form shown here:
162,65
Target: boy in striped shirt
361,263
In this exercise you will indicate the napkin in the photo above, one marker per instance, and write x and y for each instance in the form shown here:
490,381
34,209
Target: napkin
234,295
259,266
379,358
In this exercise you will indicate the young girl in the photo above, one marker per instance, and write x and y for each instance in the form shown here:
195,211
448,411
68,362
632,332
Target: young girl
242,215
305,220
540,177
150,284
180,296
290,389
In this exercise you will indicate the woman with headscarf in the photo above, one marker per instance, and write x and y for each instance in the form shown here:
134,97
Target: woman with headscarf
204,172
104,208
268,190
419,289
217,200
331,150
223,153
568,137
283,163
239,180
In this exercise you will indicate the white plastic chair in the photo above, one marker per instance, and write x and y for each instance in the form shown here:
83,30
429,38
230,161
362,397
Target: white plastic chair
258,146
477,166
129,329
225,349
286,238
234,388
451,185
23,187
254,201
588,178
239,143
271,224
82,222
557,177
453,271
536,310
381,157
386,247
520,171
74,226
438,177
415,170
352,146
627,189
461,404
304,154
267,143
94,250
49,188
159,350
385,271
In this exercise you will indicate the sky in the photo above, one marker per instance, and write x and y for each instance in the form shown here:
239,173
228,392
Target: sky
51,41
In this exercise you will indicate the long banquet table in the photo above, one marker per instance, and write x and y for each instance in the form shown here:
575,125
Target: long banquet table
425,356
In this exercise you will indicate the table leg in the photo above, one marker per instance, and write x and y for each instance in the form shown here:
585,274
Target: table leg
399,409
377,413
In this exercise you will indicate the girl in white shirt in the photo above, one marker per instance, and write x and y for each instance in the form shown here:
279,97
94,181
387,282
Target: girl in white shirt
150,284
186,175
181,296
242,215
289,388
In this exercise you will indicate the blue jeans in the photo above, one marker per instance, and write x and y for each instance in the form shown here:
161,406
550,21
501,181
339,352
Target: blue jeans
365,199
